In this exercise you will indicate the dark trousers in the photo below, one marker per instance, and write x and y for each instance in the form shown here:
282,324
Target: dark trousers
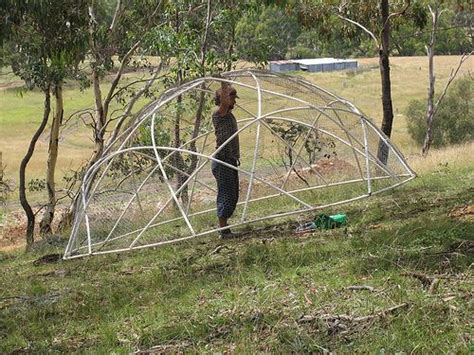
227,187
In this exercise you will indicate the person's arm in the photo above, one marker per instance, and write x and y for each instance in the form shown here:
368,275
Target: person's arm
222,134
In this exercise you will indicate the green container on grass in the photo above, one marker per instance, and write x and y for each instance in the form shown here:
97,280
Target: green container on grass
340,219
323,221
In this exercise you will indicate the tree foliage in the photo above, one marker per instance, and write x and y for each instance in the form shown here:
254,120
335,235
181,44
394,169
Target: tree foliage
265,34
44,41
454,119
451,38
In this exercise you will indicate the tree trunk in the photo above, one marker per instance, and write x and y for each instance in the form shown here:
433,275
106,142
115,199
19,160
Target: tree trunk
198,119
387,121
197,127
30,226
99,141
178,158
46,222
230,51
100,119
99,133
431,87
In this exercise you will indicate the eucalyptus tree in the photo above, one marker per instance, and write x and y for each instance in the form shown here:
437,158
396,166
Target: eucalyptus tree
115,37
436,12
375,18
222,33
45,42
188,39
115,32
437,9
197,38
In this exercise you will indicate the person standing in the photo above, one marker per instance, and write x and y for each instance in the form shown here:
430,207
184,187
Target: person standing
227,178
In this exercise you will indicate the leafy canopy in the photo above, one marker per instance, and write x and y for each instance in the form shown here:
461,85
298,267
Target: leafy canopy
44,40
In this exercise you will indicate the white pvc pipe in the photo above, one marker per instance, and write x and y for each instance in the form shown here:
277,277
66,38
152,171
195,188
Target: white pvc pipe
256,200
369,186
239,224
90,177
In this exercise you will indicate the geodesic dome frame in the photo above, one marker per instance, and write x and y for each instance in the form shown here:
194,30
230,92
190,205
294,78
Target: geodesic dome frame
302,149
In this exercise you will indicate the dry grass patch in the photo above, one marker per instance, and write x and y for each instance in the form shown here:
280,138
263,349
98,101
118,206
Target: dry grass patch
453,157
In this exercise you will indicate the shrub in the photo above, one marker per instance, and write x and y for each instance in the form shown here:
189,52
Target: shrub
454,121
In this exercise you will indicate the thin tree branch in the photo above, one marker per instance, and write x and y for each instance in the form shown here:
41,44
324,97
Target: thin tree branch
78,112
40,208
452,76
125,87
206,33
91,14
125,58
116,15
131,104
395,14
360,26
119,75
147,27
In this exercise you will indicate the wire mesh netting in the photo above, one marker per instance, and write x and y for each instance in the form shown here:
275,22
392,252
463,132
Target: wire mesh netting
302,148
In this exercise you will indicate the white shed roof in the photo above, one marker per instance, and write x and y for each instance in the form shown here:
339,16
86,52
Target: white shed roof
321,61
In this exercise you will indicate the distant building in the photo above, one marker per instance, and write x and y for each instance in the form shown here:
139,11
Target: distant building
281,66
312,65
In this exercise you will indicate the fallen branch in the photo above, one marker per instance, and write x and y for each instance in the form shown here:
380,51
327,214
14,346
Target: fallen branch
49,298
382,313
58,273
425,280
360,287
48,259
218,249
347,318
428,281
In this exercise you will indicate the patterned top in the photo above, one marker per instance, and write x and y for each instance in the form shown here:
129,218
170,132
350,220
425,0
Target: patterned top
224,127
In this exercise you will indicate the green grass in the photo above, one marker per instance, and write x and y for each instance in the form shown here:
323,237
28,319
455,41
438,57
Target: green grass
252,294
270,291
21,112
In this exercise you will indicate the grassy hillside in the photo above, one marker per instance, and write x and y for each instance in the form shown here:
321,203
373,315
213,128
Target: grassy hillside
398,279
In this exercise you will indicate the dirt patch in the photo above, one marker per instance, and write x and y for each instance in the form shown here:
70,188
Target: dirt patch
12,85
13,234
323,167
465,212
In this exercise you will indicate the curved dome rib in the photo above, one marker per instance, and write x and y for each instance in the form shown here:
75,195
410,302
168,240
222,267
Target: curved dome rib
302,149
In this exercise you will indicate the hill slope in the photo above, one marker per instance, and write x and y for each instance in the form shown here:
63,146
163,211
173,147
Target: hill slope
399,278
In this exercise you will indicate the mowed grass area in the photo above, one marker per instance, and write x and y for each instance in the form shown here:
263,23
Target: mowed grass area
272,291
20,114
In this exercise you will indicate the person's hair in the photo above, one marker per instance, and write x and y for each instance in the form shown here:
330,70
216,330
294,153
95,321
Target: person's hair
217,97
218,94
